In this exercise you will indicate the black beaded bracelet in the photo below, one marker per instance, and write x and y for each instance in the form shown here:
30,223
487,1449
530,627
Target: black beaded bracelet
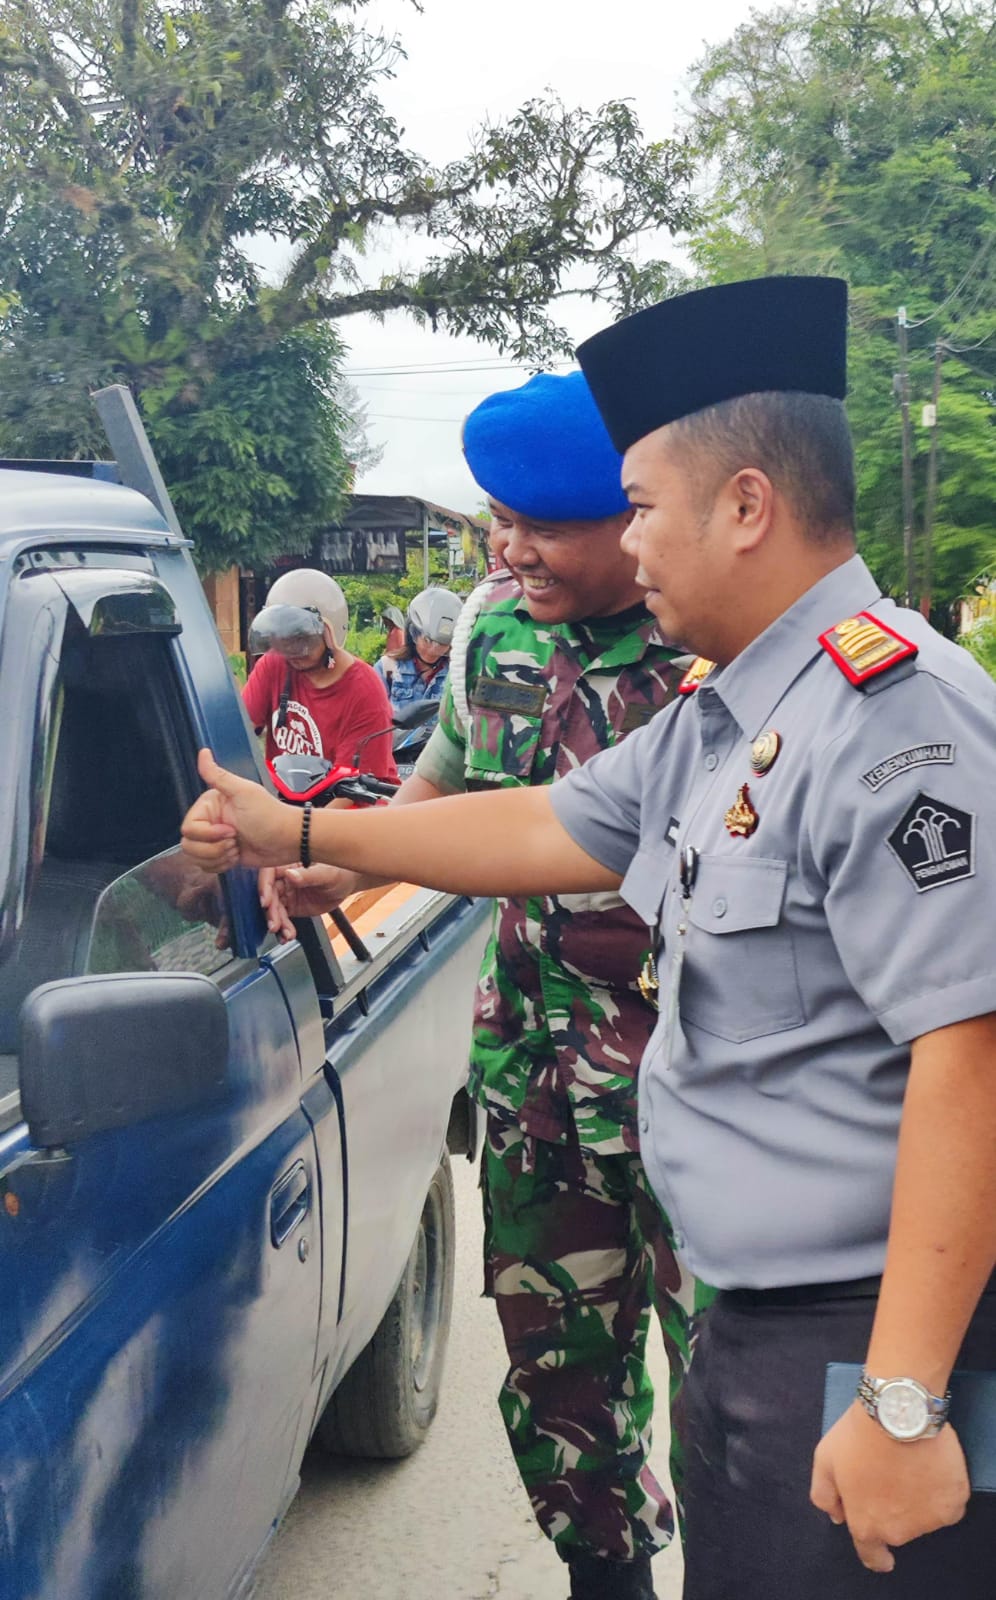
305,855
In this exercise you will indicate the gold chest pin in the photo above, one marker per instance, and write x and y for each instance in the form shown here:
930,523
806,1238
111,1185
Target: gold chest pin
647,982
741,819
764,752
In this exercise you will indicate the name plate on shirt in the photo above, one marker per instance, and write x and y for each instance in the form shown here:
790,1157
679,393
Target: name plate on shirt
497,694
973,1415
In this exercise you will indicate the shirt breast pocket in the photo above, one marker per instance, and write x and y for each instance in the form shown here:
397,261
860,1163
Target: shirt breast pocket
501,744
740,980
646,880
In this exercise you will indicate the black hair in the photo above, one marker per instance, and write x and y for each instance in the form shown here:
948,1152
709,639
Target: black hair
802,442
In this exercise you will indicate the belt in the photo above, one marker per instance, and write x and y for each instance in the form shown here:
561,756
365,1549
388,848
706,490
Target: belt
803,1294
807,1294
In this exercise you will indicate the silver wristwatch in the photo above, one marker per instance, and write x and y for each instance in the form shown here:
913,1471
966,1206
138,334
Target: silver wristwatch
904,1408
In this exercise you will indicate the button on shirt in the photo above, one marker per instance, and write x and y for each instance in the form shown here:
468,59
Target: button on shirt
854,918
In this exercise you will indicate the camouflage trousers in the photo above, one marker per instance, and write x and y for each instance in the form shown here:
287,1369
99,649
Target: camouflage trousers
577,1250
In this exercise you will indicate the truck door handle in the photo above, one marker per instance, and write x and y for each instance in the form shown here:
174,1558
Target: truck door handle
290,1202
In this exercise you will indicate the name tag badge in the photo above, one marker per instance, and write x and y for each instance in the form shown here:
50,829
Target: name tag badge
497,694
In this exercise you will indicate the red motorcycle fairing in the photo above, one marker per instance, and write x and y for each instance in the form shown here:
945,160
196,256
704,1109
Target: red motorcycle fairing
327,780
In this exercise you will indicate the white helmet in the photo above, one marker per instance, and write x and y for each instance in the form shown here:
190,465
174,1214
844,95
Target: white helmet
306,586
433,614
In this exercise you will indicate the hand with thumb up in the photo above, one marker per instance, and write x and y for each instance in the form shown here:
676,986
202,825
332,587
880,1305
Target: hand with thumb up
236,823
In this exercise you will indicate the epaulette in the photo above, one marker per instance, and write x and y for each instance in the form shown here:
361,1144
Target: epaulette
699,669
863,648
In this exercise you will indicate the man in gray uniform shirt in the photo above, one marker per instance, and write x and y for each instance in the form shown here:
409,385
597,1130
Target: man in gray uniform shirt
812,834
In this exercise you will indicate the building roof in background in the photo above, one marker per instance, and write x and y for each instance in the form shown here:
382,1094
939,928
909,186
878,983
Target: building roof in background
396,513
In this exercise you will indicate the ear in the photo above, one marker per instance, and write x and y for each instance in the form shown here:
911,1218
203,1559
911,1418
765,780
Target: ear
750,505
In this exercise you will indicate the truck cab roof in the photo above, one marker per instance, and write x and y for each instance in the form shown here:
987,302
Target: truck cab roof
47,503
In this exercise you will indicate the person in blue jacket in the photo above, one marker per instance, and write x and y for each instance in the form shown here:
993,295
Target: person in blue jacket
418,671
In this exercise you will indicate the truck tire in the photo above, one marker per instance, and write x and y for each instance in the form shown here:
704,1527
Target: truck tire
385,1404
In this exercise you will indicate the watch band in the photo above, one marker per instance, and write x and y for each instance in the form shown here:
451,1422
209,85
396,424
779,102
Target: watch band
937,1406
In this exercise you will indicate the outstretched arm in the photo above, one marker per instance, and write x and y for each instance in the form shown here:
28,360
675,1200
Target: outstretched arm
506,843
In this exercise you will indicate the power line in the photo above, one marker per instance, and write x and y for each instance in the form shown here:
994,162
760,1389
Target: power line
974,264
444,368
990,377
394,416
430,369
390,388
448,361
962,349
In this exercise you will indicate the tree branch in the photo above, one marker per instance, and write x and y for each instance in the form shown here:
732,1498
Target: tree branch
361,214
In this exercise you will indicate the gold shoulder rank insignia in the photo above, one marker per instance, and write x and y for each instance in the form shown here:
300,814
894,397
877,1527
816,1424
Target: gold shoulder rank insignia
862,647
699,669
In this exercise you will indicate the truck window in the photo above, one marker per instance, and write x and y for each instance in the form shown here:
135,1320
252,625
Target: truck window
166,916
119,775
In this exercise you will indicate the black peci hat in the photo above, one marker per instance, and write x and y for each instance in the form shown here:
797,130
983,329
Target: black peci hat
698,349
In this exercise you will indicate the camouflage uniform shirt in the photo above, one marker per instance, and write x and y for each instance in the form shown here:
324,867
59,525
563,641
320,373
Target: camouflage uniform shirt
559,1023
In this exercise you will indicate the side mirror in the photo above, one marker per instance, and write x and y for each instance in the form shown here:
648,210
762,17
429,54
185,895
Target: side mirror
110,1051
415,713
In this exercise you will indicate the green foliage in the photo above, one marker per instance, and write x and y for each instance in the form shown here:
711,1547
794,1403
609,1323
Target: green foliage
142,151
981,643
857,137
367,595
258,466
367,643
237,662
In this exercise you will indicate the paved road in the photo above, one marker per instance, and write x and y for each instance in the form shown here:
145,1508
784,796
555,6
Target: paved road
451,1523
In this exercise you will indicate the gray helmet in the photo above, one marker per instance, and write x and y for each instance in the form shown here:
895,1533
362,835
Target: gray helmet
306,586
433,614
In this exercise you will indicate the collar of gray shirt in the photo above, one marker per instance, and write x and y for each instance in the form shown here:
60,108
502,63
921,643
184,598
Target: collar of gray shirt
755,681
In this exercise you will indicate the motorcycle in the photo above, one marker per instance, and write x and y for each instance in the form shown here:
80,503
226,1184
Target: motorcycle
413,725
300,778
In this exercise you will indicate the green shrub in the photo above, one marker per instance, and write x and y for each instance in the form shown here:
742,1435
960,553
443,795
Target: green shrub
981,643
367,643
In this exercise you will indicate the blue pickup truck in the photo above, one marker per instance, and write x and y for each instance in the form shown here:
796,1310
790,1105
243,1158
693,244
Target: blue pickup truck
226,1213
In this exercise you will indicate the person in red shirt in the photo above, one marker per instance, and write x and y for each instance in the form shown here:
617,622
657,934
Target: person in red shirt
310,694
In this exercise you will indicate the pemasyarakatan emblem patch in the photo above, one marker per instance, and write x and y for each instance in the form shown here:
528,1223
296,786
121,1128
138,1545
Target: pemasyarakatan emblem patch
934,842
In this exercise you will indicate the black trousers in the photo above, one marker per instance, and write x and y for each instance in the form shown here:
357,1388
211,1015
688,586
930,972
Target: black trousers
749,1417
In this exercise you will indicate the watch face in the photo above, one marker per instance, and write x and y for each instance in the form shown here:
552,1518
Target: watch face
902,1410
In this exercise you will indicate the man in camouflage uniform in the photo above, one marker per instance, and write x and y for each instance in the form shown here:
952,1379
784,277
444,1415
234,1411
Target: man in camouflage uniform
558,658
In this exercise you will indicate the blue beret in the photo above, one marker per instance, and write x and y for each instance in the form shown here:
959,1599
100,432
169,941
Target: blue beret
716,344
542,450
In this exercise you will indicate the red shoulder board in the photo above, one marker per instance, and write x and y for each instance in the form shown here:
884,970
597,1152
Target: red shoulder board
863,647
699,669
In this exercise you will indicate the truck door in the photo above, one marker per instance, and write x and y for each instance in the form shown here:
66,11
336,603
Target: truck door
160,1282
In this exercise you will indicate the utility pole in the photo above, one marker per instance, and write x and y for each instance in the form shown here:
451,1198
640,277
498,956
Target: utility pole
904,399
933,423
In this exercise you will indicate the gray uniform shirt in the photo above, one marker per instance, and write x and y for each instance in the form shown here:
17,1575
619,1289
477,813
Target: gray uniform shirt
857,916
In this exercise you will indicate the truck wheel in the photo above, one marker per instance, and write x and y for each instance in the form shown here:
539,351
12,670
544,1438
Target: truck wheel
385,1404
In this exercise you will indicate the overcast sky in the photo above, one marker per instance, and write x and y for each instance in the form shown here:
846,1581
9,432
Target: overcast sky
467,62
